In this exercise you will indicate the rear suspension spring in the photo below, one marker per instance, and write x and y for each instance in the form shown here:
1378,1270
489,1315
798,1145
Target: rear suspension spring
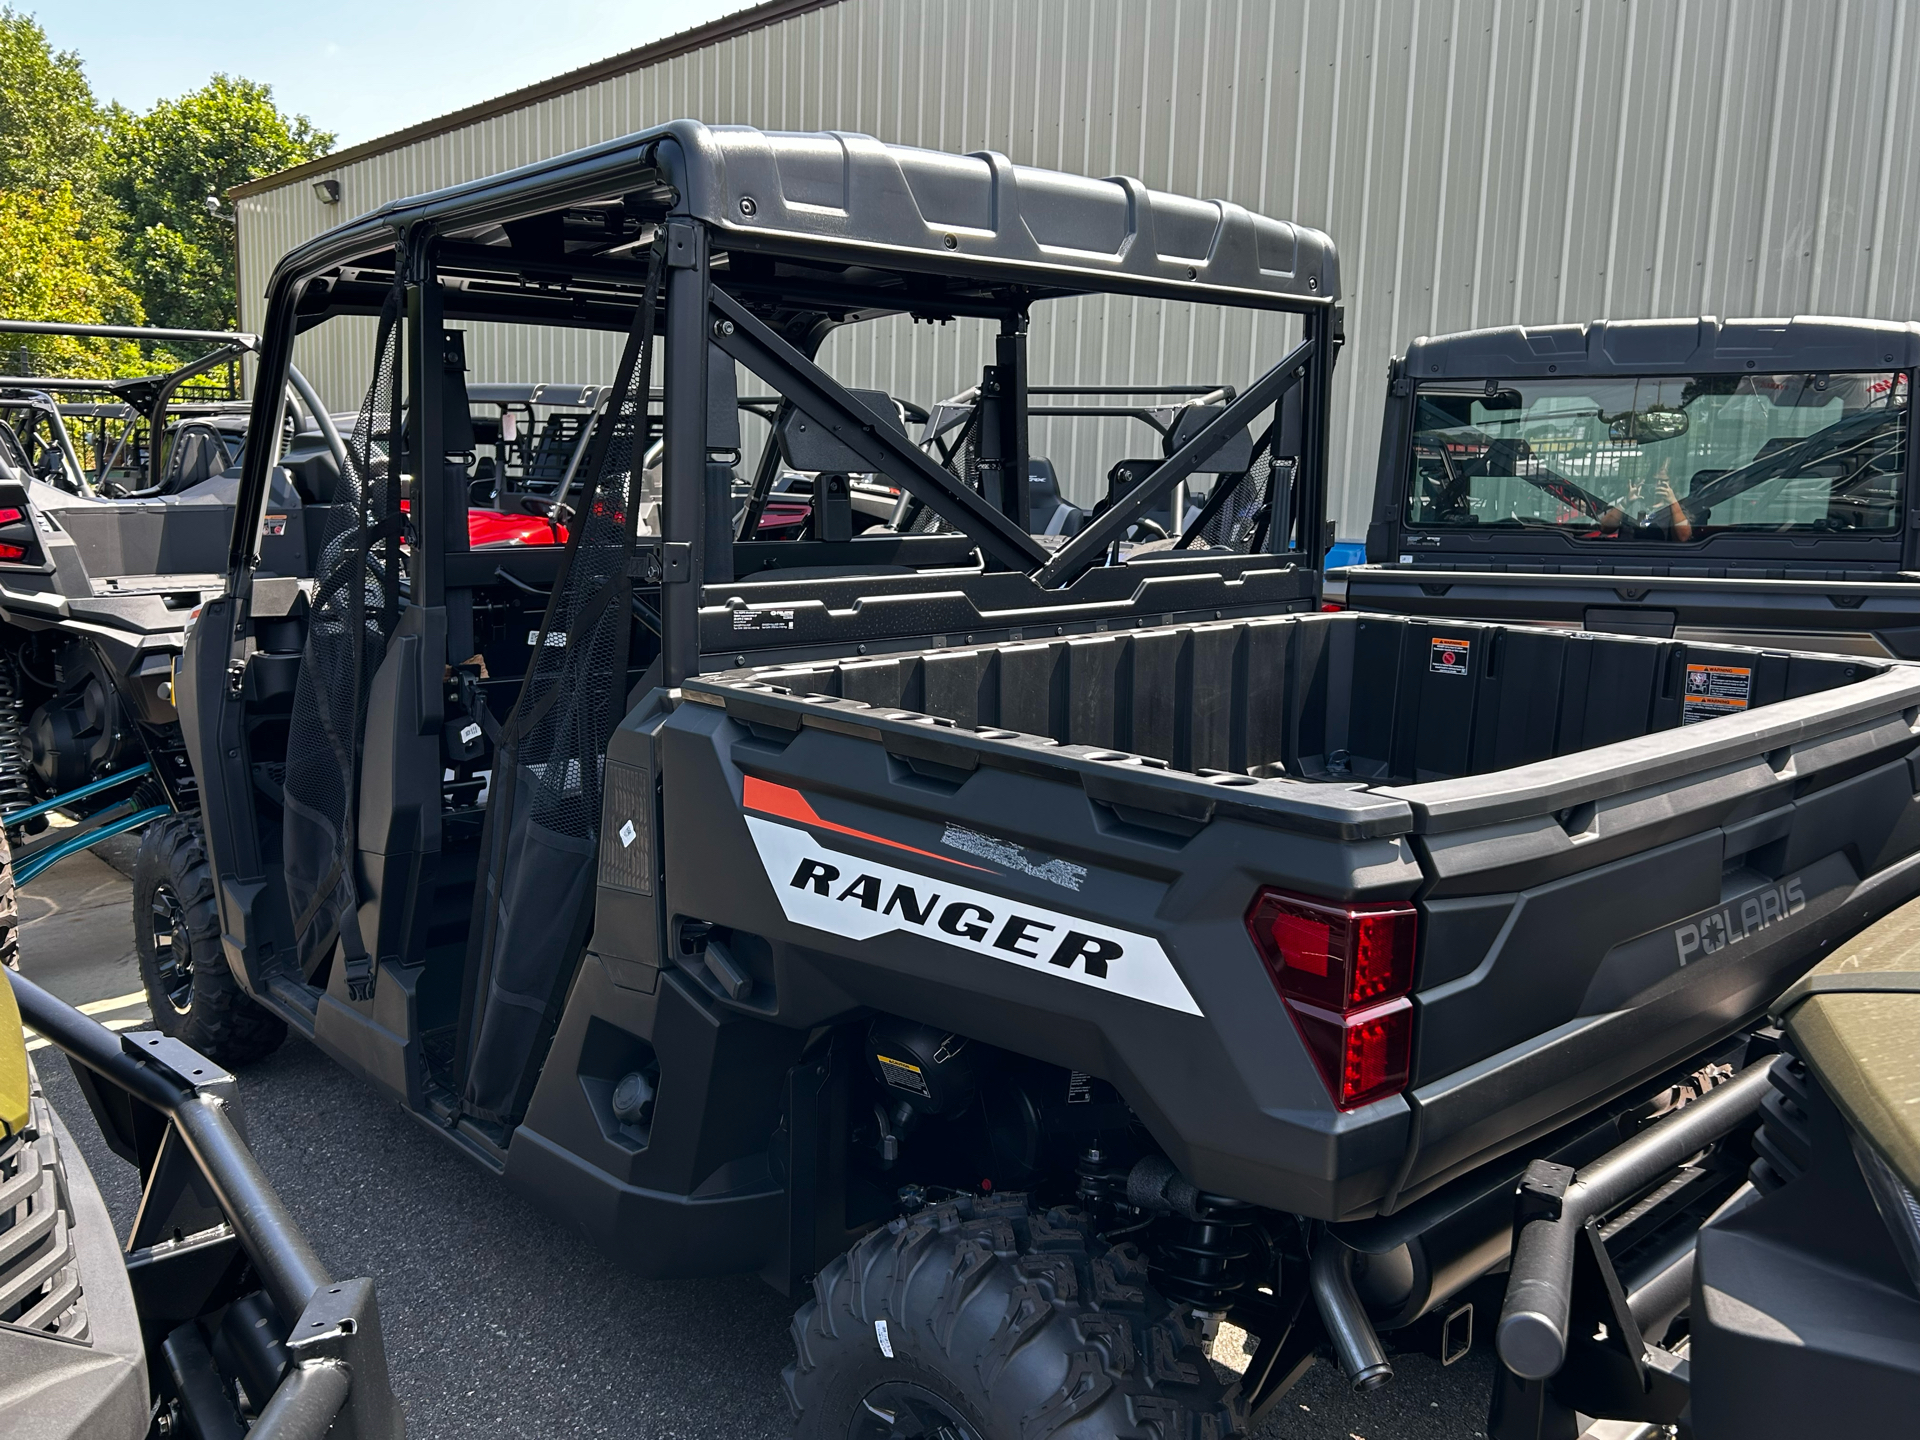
16,754
1204,1260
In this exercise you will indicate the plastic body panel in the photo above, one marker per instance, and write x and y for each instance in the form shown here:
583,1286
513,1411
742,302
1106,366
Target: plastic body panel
1804,1317
1222,1103
694,1193
55,1387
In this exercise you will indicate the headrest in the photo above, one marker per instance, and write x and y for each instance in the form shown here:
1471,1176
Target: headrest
1042,483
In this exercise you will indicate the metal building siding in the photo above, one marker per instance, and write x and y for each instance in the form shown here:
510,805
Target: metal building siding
1478,162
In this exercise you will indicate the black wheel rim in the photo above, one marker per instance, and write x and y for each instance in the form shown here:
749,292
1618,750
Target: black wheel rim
172,954
900,1411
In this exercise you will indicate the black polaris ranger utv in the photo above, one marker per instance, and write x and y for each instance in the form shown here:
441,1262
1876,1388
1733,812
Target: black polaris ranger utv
1739,481
1047,950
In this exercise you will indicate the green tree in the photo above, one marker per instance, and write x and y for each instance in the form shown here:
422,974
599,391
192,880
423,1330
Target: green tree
163,167
51,129
50,270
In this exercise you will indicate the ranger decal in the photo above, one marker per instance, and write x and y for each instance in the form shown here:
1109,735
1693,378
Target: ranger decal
827,889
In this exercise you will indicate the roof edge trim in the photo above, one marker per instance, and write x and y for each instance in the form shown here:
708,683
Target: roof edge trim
670,47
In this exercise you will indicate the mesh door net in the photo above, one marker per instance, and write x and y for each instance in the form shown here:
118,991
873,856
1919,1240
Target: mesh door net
542,830
1238,515
923,519
356,598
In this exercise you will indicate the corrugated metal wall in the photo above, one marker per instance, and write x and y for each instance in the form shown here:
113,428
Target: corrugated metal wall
1477,161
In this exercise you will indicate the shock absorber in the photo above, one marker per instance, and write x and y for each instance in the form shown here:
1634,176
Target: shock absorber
1204,1249
1205,1258
16,754
1102,1189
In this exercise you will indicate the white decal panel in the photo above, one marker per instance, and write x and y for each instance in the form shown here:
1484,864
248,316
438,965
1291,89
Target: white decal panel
841,894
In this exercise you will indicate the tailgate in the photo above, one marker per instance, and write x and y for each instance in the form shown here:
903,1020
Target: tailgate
1592,919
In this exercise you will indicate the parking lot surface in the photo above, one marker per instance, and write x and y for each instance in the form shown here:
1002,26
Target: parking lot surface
498,1321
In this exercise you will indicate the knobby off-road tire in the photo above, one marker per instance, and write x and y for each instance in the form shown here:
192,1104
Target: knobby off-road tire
1002,1324
176,930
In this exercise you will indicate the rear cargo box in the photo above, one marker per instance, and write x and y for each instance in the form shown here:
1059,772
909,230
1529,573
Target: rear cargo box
1622,848
1326,697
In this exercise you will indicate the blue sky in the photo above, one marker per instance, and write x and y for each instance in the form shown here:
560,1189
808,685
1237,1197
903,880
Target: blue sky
360,68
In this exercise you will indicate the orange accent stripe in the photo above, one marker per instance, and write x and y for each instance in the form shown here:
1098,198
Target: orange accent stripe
789,804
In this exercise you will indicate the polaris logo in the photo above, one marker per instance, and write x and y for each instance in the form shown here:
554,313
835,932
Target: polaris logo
1713,933
826,889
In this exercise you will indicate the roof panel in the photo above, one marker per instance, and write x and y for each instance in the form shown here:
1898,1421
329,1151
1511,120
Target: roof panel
832,190
1646,347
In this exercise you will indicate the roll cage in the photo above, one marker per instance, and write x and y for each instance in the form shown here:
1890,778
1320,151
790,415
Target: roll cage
760,273
148,398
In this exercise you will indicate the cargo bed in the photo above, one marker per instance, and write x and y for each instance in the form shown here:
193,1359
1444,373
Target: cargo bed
1604,886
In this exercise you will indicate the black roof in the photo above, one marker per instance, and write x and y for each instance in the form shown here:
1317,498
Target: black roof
842,196
1702,345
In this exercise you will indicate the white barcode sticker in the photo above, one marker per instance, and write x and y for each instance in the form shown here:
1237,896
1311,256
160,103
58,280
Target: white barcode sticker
469,733
880,1334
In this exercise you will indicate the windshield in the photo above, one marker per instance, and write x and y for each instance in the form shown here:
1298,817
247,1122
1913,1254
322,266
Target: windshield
1673,458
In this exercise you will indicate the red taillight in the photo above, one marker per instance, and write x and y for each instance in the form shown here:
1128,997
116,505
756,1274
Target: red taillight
1336,956
1344,971
1331,607
12,552
9,516
1363,1057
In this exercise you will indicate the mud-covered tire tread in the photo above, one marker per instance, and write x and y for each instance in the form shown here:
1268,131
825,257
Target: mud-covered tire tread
1029,1325
222,1022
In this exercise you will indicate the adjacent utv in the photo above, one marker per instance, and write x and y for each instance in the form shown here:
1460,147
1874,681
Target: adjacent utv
214,1317
1046,947
116,514
1737,481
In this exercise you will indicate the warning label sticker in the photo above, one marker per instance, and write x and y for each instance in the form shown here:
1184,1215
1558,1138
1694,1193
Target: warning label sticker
1715,690
763,619
902,1074
1450,657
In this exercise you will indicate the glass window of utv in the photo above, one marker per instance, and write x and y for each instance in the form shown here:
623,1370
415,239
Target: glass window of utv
1668,459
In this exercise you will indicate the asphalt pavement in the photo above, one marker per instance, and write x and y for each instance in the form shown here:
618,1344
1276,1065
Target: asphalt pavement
498,1321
